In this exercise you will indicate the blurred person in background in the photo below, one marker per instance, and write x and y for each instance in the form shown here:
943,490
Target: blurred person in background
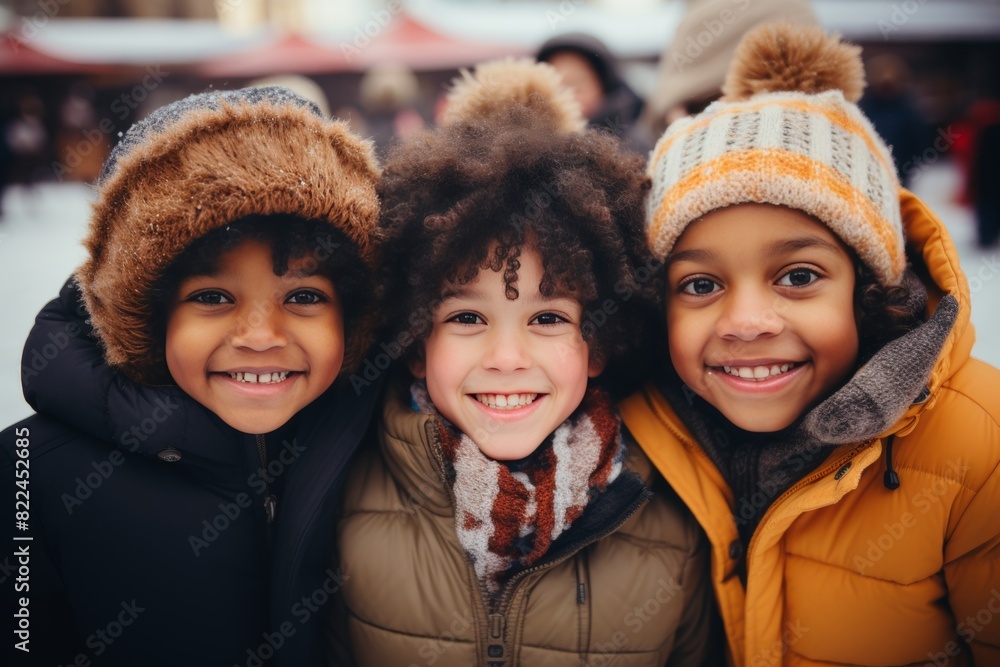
593,73
984,175
981,113
27,138
81,145
888,106
389,95
694,63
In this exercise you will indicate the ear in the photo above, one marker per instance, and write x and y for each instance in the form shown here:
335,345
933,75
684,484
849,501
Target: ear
596,366
416,363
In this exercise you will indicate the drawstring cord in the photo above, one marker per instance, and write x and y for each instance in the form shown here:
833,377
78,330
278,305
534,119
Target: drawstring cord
891,479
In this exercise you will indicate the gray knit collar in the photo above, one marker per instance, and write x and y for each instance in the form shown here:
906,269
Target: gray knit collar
886,386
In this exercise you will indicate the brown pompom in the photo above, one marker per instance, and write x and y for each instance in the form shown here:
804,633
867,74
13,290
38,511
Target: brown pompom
501,85
790,57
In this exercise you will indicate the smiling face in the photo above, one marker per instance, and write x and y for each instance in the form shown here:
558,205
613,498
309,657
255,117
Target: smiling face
506,373
253,347
760,313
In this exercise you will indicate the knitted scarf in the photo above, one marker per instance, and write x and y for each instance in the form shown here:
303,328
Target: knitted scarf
508,513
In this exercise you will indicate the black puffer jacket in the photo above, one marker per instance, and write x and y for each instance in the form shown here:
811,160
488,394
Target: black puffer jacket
149,540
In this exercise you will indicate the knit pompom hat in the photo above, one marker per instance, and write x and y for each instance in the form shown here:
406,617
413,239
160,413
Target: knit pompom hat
787,131
197,165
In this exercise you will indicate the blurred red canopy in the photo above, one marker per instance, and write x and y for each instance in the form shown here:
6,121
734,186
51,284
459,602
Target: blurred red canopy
408,42
291,53
18,57
403,41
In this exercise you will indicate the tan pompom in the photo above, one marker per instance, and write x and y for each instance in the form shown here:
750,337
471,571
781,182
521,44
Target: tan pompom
500,85
790,57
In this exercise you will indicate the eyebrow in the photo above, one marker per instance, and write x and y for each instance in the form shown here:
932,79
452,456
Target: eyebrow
464,292
690,256
801,242
303,273
777,248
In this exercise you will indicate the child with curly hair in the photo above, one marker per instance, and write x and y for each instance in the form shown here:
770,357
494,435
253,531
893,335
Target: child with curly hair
822,418
501,518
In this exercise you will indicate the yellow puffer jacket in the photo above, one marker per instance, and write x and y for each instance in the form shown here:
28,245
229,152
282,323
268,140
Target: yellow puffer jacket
633,591
841,570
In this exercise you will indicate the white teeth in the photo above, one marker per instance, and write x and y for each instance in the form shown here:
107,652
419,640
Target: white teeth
757,372
262,378
506,401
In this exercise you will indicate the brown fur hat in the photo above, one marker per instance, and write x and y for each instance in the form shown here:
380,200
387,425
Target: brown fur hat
198,164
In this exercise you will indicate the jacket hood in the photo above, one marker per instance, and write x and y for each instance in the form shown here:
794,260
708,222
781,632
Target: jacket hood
197,165
928,238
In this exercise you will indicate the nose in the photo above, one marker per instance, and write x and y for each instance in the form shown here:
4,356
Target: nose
506,351
750,313
259,327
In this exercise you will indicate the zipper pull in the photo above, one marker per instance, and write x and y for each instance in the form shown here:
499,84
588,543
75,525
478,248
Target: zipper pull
270,507
495,646
270,502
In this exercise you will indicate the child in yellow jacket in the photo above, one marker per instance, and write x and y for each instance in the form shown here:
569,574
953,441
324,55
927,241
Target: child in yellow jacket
822,417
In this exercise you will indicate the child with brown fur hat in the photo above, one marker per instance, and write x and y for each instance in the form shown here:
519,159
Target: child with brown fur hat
501,518
192,429
822,418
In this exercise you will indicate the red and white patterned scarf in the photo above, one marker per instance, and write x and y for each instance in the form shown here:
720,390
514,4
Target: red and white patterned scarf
508,517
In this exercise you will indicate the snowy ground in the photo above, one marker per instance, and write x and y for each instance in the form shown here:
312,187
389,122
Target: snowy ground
41,230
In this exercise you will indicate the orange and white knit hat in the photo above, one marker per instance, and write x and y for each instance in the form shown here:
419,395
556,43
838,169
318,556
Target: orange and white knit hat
785,132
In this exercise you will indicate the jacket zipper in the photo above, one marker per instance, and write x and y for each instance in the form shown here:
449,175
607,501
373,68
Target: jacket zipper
805,481
809,479
698,452
583,607
497,650
270,502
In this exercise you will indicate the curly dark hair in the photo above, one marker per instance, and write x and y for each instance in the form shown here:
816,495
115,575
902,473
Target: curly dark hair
290,238
884,312
471,195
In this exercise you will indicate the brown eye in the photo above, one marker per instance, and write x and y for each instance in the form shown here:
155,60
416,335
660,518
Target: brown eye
547,319
305,298
466,318
210,298
699,286
798,278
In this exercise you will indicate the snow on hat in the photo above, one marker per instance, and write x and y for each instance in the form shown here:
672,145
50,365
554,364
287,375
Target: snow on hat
786,132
